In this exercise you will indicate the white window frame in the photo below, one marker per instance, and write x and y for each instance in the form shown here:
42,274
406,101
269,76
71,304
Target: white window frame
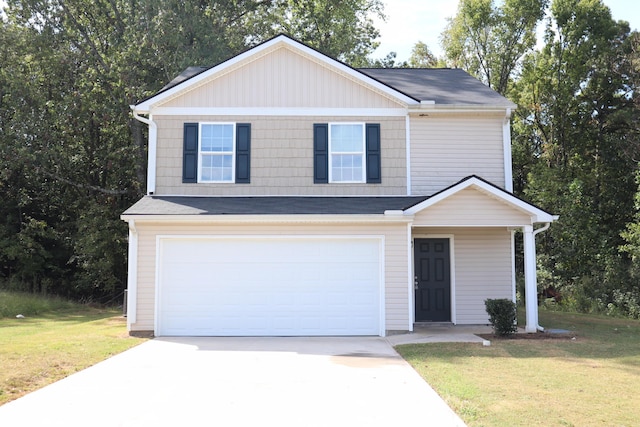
363,153
221,153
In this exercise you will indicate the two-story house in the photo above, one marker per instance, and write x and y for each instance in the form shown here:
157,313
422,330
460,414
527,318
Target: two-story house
290,194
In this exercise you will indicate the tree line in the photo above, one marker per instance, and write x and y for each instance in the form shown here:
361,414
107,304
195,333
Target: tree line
72,158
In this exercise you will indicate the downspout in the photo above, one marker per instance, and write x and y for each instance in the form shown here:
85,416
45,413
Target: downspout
506,150
407,130
535,233
151,162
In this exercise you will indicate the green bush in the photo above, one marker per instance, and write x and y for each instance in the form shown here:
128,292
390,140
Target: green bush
502,316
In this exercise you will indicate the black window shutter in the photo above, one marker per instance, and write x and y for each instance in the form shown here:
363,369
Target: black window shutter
374,174
320,153
243,153
190,153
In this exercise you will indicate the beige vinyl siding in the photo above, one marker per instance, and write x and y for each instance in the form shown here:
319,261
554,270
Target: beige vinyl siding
447,148
283,79
395,256
483,268
471,207
281,157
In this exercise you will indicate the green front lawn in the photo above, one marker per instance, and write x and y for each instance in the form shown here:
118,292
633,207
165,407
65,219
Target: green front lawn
36,351
593,380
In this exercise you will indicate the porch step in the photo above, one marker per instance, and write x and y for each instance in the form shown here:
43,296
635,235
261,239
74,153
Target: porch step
432,325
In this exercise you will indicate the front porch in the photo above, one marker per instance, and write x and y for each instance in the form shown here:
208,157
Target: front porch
473,223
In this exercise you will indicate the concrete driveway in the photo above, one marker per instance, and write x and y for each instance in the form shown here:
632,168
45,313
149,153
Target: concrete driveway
240,382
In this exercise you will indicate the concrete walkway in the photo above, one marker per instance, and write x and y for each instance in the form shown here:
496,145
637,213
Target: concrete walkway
348,381
442,332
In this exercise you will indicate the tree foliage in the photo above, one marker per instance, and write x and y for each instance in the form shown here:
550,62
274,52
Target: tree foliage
488,41
422,57
343,29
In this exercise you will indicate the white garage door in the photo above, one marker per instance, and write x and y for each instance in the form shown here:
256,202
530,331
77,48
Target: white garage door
278,286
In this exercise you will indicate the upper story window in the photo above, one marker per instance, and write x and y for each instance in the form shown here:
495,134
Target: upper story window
216,155
347,152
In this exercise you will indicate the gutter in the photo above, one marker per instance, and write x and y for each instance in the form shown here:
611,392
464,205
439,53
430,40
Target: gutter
152,149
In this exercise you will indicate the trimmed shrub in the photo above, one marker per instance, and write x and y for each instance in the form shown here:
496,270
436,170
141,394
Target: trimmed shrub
502,316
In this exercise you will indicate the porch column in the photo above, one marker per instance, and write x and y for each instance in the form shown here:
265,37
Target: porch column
530,281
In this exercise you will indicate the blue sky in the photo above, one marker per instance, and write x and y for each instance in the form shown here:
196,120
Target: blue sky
411,20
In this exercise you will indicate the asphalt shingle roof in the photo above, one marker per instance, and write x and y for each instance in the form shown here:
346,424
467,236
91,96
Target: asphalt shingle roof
276,205
445,86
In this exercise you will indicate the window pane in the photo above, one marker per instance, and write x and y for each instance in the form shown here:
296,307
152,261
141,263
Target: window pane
346,167
217,168
216,138
347,138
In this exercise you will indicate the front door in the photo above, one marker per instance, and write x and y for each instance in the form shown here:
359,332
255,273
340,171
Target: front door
432,280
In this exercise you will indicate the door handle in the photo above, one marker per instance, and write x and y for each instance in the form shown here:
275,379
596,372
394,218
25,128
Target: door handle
415,283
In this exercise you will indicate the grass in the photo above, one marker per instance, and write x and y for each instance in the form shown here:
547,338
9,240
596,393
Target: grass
61,339
590,381
14,303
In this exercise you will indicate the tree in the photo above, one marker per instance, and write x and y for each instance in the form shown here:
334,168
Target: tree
422,57
488,42
342,29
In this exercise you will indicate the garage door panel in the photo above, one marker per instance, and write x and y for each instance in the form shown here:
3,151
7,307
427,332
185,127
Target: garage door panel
269,286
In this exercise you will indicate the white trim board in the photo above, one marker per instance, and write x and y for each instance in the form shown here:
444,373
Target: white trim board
277,111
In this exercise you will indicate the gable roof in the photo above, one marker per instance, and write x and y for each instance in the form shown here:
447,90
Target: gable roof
194,76
473,181
414,87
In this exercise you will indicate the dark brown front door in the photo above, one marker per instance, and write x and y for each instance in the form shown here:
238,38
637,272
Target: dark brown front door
432,280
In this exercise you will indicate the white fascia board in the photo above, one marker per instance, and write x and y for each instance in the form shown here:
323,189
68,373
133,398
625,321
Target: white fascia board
243,111
537,215
356,219
147,105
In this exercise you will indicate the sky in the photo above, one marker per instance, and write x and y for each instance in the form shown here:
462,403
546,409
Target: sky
409,21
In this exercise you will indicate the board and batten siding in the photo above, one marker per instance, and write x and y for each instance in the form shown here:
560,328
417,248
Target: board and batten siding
471,207
283,78
483,269
395,259
446,148
281,157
